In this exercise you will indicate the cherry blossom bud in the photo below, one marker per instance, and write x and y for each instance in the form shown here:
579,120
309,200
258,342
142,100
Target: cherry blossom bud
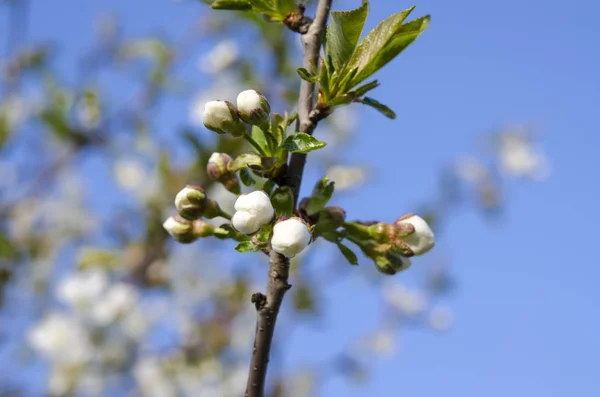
181,229
191,202
254,108
422,239
290,237
217,171
222,118
253,211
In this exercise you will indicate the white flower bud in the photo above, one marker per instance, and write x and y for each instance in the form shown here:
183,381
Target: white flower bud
422,240
253,211
181,229
222,118
254,108
290,237
191,202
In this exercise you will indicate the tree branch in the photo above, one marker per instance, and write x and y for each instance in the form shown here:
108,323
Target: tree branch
307,116
267,306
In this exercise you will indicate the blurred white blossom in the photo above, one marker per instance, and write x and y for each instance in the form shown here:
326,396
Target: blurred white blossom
118,300
441,318
383,342
471,170
519,158
61,338
152,379
220,57
80,289
407,301
346,177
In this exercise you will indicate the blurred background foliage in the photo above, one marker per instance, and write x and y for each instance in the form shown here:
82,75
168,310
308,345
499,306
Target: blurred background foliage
96,300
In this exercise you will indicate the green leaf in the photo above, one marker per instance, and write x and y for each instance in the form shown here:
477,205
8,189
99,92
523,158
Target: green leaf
285,6
302,143
268,187
237,5
260,137
343,33
386,111
246,177
321,194
363,89
282,199
384,43
306,75
246,246
348,254
244,161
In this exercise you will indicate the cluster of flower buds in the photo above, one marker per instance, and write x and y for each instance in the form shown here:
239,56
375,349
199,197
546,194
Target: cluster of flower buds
223,117
217,171
254,210
391,245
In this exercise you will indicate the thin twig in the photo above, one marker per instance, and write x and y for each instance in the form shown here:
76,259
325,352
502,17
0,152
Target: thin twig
267,306
307,116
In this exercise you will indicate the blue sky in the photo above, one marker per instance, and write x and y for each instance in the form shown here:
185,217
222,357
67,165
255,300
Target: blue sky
527,318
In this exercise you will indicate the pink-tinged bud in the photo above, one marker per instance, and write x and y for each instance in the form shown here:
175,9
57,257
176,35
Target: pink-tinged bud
217,171
222,117
180,229
254,108
422,239
191,202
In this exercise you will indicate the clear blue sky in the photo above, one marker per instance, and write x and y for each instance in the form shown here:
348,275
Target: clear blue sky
527,306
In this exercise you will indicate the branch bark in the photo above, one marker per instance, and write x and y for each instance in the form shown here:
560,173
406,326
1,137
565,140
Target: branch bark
267,306
307,116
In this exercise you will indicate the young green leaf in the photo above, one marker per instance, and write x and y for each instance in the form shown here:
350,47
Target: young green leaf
321,194
384,43
282,199
244,161
386,111
261,239
260,137
246,246
348,254
306,75
363,89
237,5
343,33
302,143
246,177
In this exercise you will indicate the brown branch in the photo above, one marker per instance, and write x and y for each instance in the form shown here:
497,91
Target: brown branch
307,116
267,306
